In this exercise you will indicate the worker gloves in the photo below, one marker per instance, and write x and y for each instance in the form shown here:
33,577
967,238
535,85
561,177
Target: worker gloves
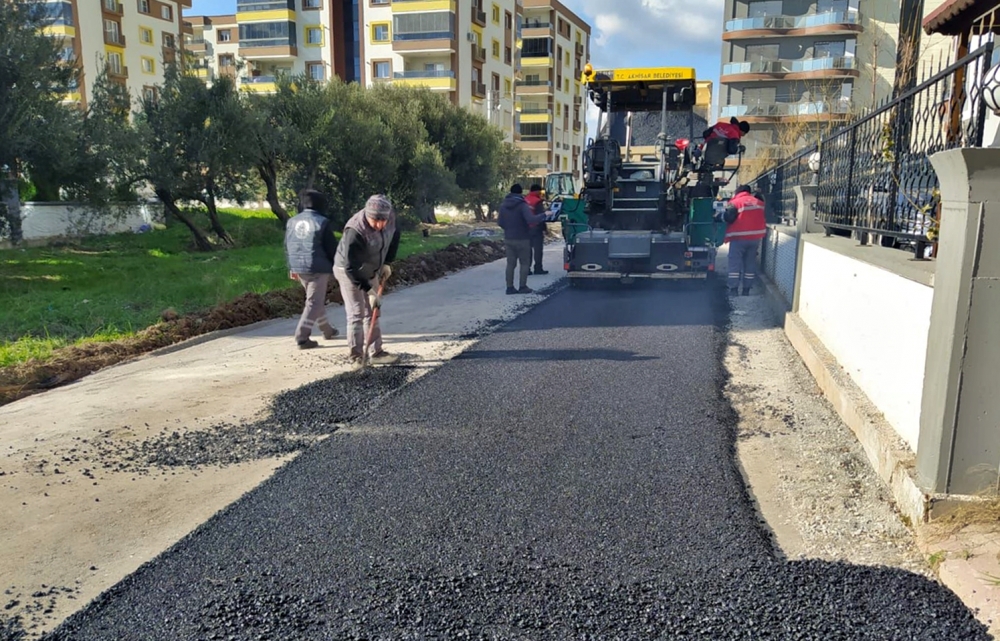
384,273
374,300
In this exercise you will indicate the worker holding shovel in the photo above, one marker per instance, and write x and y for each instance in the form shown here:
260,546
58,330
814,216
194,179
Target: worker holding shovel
369,243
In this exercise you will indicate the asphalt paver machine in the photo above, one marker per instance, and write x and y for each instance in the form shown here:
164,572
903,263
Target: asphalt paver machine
645,211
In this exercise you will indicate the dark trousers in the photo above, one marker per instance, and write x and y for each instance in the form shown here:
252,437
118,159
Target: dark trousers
518,251
537,247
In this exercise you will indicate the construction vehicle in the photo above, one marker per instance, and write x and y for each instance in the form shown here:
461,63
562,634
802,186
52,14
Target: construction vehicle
647,206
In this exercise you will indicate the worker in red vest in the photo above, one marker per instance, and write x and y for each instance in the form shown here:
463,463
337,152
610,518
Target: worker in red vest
746,227
734,129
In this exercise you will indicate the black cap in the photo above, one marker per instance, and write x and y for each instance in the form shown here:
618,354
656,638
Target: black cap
535,188
312,199
743,189
517,189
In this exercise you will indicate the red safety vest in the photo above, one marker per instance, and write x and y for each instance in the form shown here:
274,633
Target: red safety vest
750,223
725,130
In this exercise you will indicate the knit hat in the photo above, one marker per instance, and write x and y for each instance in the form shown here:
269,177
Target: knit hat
378,207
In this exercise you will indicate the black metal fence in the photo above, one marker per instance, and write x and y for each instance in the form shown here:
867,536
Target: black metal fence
777,185
875,177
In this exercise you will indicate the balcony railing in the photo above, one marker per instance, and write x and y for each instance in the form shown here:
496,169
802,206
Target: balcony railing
478,53
794,22
536,110
260,80
779,109
535,138
533,83
261,6
579,48
267,42
427,35
115,39
427,73
789,66
115,8
536,24
479,16
478,89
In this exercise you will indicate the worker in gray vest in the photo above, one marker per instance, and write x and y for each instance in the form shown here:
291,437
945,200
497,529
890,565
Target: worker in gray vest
310,247
369,243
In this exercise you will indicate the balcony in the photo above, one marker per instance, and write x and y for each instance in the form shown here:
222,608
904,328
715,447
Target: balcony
828,67
196,45
478,53
435,79
537,29
534,87
779,111
541,60
112,8
577,125
114,39
413,6
830,23
254,7
261,84
429,42
579,50
478,16
118,75
478,89
274,48
169,55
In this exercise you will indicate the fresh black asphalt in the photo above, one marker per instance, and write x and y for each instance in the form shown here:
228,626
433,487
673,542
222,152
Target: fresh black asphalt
570,477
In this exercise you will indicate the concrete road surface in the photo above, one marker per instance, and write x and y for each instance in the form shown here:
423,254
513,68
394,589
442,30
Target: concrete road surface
572,476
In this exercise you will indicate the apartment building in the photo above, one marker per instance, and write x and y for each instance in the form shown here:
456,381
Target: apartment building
138,37
463,50
551,122
796,69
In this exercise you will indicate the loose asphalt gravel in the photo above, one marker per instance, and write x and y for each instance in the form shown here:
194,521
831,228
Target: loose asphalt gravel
570,477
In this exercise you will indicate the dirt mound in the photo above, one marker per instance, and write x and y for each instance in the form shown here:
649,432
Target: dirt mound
75,362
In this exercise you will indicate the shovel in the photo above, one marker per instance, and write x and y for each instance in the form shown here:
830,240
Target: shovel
366,358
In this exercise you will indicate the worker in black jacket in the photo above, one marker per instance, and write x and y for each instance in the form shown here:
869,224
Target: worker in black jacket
310,247
369,244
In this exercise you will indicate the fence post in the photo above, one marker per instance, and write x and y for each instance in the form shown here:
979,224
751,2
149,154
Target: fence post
958,450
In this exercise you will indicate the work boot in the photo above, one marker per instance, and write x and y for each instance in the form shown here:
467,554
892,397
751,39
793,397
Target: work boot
383,357
540,272
746,291
354,358
525,290
511,290
332,334
308,344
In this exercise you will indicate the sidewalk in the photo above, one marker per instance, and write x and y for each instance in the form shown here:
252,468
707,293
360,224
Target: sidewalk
74,525
966,560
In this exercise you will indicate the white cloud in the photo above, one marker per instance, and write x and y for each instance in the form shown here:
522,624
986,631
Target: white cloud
625,31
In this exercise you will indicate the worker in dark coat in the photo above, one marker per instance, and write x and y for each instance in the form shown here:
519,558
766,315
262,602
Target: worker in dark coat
369,244
514,218
310,247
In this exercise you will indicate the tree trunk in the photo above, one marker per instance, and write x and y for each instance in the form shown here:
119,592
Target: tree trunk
200,240
10,213
270,178
213,215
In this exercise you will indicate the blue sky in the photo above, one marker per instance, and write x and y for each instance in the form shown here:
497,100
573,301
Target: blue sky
627,33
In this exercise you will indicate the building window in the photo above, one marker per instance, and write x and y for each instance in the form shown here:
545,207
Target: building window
115,63
166,13
381,69
316,71
227,60
496,49
380,32
314,36
143,6
496,14
149,94
312,4
148,65
508,55
145,36
168,41
496,83
378,2
506,86
566,89
267,34
508,20
423,26
225,35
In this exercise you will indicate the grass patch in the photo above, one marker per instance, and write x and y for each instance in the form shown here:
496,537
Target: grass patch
104,288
